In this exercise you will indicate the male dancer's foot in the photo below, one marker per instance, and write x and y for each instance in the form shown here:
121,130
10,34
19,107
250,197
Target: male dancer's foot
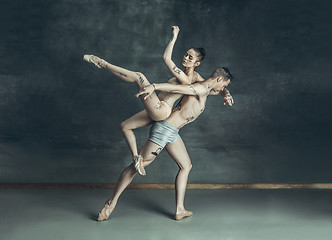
105,213
183,214
100,63
139,164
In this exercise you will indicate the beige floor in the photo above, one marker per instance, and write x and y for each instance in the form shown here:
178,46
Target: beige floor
148,214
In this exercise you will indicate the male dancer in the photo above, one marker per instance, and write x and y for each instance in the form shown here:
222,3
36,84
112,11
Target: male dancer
165,134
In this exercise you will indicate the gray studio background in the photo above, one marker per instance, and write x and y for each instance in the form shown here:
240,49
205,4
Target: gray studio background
60,116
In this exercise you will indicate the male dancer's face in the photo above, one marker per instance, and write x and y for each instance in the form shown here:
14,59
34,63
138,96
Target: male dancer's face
190,59
221,85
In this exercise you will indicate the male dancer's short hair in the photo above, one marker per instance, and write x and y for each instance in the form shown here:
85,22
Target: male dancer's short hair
222,71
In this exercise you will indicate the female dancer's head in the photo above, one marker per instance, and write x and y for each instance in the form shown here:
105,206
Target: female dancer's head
193,57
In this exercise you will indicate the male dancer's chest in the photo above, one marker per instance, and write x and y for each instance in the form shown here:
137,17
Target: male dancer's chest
188,109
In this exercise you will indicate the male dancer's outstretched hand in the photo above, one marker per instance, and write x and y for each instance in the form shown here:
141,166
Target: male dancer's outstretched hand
148,90
228,99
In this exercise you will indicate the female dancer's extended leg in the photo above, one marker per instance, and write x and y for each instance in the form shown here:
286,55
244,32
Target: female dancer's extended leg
156,109
139,120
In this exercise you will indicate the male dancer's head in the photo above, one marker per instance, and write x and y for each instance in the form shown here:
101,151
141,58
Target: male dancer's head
223,76
222,71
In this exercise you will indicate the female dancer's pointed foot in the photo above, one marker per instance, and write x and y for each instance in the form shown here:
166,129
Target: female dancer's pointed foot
105,213
139,164
183,214
98,62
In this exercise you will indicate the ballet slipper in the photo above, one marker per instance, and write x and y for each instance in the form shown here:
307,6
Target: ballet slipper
105,213
139,165
98,62
183,214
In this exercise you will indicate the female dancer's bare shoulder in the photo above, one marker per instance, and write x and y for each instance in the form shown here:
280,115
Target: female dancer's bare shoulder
198,77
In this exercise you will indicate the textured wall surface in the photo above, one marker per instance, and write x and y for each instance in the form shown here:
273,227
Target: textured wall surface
60,116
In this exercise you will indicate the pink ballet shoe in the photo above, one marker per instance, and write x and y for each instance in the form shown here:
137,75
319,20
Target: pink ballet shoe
98,62
139,165
184,214
105,213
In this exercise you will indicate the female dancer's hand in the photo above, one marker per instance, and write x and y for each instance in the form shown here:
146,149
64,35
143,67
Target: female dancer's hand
175,30
148,90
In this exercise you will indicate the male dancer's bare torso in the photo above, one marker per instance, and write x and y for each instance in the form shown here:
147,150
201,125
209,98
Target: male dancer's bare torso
187,110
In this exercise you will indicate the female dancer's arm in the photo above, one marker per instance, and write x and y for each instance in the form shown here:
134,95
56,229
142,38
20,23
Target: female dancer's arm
167,57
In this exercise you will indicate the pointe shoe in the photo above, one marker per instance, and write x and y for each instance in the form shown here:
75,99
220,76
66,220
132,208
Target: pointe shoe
184,214
105,213
139,165
98,62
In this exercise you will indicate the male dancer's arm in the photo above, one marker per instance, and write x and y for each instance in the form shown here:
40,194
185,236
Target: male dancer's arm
167,57
226,95
191,89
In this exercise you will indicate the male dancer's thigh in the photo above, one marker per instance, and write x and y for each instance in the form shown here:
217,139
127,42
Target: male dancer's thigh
178,152
149,152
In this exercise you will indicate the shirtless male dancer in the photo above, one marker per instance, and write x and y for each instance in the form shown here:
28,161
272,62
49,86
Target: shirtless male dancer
165,134
157,107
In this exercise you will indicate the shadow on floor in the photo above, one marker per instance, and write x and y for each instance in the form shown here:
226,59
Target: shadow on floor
153,206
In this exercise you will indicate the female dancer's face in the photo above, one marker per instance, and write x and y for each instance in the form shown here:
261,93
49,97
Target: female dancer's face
190,59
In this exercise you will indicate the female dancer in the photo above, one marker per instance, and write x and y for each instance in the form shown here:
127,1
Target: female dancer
157,108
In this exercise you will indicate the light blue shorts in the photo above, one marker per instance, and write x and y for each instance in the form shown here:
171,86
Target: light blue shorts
163,133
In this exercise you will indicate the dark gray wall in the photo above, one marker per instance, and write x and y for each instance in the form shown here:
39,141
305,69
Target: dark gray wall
60,116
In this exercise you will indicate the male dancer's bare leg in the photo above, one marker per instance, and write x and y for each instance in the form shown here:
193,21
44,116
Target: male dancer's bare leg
156,109
180,155
126,178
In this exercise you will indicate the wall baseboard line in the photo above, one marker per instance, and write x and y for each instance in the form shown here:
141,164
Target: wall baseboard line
167,186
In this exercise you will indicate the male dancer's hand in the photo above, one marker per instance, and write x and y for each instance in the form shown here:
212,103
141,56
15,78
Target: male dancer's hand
227,96
228,99
148,90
